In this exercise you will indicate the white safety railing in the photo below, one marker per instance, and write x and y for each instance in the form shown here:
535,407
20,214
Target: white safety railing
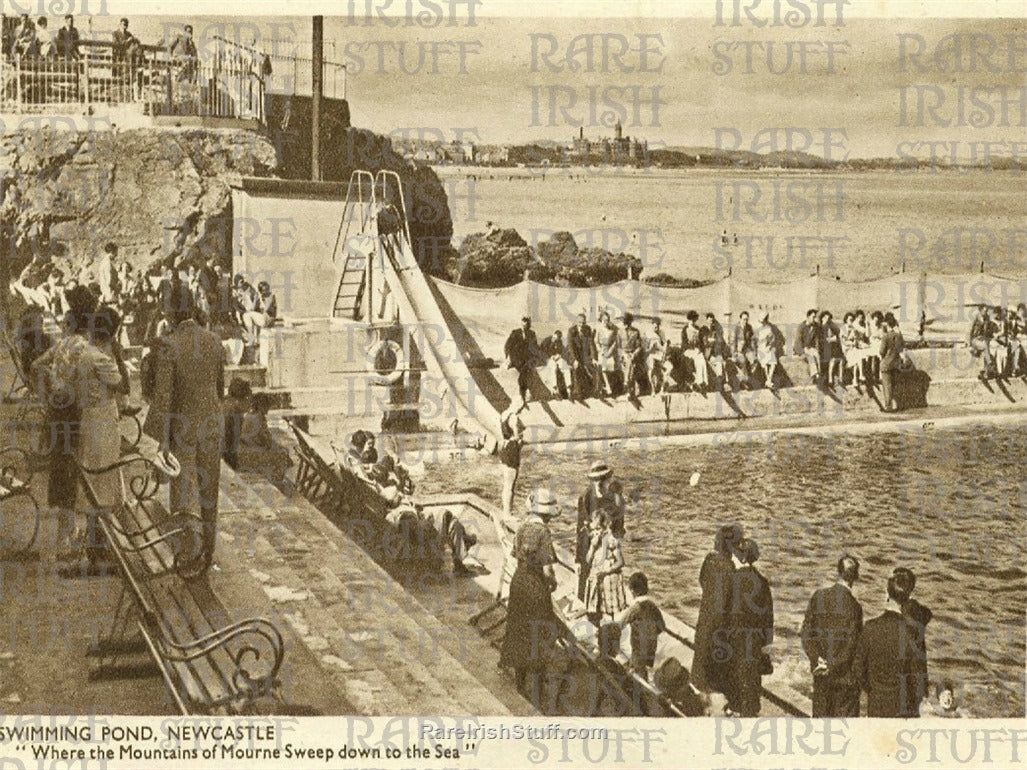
223,85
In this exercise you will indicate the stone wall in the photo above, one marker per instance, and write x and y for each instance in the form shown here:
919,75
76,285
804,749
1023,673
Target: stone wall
162,194
156,193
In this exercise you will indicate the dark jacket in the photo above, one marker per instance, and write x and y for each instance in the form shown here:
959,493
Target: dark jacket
829,341
807,337
891,349
710,660
67,43
550,347
743,339
691,337
581,345
711,340
749,628
522,348
830,630
887,665
920,616
188,386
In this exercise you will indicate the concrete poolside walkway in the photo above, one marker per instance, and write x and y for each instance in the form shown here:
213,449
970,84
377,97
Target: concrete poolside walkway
356,642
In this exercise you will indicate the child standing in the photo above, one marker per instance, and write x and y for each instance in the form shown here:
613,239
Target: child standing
604,590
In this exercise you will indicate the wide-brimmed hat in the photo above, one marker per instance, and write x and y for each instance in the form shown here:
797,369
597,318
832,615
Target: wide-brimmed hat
543,502
599,470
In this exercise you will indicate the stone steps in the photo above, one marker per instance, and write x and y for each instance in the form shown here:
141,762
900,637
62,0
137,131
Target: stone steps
391,655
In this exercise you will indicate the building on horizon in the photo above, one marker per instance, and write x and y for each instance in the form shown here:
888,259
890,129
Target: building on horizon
618,150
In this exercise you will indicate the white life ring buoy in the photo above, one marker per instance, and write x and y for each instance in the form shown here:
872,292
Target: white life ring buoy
386,362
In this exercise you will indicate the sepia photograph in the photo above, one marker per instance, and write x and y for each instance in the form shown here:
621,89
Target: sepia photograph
459,383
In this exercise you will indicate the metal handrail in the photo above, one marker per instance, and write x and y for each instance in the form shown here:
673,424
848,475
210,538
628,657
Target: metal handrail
151,78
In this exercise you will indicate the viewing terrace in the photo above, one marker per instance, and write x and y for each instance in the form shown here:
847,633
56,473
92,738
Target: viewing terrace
221,84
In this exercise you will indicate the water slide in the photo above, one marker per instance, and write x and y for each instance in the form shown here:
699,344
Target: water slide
440,345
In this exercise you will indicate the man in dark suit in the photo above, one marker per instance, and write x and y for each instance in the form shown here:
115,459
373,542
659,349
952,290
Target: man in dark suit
806,344
185,415
68,40
581,354
522,351
891,361
748,630
888,662
830,631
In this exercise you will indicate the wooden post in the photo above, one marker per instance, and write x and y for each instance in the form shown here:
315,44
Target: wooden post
317,90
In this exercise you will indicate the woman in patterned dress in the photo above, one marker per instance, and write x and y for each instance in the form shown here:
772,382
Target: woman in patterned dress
604,591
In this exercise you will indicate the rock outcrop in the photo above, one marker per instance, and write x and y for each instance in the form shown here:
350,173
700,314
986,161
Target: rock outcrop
502,258
157,193
163,194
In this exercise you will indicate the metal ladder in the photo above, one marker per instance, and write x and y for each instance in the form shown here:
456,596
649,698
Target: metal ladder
358,214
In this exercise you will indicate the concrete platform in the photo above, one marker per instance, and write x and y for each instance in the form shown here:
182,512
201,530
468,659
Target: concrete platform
376,642
356,640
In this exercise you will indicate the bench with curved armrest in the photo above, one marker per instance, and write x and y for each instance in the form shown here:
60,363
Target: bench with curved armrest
210,662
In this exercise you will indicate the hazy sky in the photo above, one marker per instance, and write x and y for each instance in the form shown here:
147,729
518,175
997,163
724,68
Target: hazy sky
485,80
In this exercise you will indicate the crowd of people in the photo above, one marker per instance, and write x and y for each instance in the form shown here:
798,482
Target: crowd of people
998,337
71,343
82,380
886,657
50,63
614,360
231,306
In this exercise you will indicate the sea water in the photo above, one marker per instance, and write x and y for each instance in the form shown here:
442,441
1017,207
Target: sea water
948,504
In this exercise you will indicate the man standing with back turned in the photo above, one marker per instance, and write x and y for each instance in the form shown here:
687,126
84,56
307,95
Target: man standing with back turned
185,415
830,630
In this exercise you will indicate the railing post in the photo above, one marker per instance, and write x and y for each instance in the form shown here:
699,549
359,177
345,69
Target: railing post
83,63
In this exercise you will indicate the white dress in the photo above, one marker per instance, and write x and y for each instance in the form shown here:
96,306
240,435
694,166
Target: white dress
608,345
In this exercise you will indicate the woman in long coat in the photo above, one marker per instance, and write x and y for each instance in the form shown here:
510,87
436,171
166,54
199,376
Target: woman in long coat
83,413
532,628
712,656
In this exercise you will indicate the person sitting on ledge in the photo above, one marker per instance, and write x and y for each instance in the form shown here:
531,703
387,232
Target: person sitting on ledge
766,351
980,340
430,532
1016,333
806,344
257,449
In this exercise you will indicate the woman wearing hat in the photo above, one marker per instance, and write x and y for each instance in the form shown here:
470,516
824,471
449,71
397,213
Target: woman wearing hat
599,496
531,624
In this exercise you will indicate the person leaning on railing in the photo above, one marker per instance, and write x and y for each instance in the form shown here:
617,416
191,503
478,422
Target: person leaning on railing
126,53
23,44
44,40
183,51
68,40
